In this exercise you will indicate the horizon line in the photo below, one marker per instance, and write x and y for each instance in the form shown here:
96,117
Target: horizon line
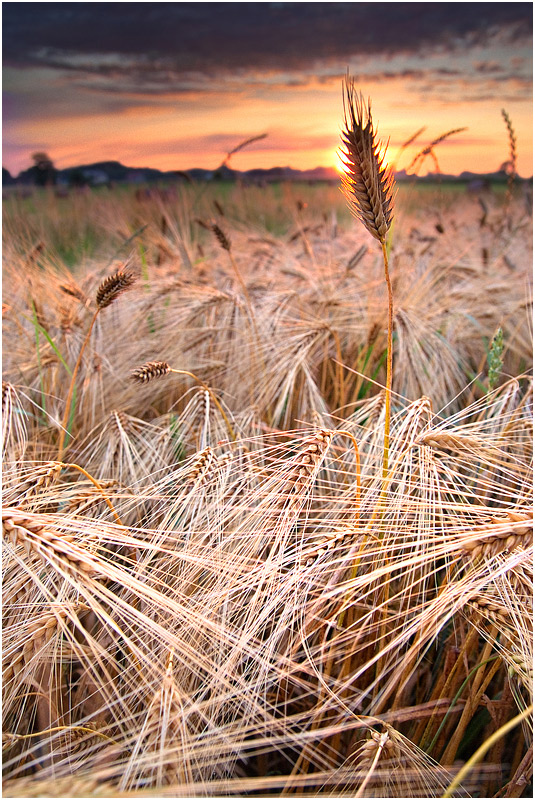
224,166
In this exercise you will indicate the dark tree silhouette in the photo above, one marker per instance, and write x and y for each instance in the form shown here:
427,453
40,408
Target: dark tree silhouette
43,169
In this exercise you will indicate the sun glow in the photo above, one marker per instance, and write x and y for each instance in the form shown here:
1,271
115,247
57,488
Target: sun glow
337,162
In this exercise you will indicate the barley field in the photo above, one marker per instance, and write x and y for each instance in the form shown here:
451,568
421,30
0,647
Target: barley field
213,585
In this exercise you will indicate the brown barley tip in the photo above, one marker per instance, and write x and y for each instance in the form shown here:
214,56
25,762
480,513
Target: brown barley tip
150,370
112,287
369,183
223,239
512,140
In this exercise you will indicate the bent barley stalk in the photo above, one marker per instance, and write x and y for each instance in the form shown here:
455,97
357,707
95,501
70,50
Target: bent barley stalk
156,369
369,186
419,158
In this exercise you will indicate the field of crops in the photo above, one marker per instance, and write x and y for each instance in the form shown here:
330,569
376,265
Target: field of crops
212,586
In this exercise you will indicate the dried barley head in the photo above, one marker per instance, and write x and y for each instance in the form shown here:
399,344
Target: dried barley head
368,184
222,237
112,287
150,370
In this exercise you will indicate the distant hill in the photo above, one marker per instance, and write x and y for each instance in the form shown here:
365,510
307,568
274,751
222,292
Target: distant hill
106,172
103,173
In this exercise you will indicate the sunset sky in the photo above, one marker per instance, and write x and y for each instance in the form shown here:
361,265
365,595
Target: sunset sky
178,85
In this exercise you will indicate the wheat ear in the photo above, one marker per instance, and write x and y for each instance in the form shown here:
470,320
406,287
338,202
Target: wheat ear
369,187
111,287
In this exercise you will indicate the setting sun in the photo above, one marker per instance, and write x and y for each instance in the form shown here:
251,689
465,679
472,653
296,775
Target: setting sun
336,161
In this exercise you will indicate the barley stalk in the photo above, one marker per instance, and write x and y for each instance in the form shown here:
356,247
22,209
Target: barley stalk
38,633
221,237
512,156
428,150
39,479
369,187
108,291
243,144
305,465
73,291
379,746
91,496
490,608
327,544
69,786
164,724
156,369
225,243
449,441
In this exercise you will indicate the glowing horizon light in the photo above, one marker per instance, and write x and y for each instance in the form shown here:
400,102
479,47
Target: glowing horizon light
336,161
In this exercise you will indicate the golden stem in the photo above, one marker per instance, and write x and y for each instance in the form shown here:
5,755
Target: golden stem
480,752
258,352
99,487
65,420
386,446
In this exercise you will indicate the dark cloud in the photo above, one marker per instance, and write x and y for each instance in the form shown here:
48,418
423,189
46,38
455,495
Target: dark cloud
488,67
177,38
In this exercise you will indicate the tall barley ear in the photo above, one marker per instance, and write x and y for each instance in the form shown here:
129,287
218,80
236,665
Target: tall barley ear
369,187
108,291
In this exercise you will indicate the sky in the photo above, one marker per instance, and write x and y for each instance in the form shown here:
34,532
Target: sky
179,85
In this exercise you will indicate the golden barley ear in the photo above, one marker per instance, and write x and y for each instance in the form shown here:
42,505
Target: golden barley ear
369,183
150,370
111,287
